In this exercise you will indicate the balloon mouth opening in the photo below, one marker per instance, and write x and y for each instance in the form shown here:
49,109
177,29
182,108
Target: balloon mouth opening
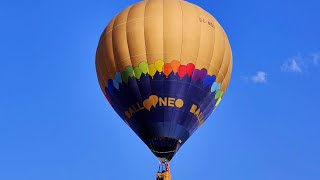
164,148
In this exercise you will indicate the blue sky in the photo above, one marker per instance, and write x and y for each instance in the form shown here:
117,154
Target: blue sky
56,124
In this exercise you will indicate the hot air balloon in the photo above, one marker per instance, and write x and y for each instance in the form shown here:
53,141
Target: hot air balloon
164,66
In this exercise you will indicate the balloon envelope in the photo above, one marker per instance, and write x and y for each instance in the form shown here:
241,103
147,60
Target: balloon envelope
164,66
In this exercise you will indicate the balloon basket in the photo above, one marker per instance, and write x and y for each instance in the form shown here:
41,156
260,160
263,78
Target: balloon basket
163,171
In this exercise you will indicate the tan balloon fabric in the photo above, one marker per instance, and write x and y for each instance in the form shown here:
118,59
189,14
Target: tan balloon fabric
164,30
135,34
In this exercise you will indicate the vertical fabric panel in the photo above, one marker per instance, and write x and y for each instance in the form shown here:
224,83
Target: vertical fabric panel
225,62
206,41
119,41
191,33
226,80
101,65
172,30
135,34
108,50
219,48
212,70
153,30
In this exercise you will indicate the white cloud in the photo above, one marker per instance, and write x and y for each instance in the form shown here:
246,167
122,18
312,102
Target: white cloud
315,58
260,77
301,64
293,65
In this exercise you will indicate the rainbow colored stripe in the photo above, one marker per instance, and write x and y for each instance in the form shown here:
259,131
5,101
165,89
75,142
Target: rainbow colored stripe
174,67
